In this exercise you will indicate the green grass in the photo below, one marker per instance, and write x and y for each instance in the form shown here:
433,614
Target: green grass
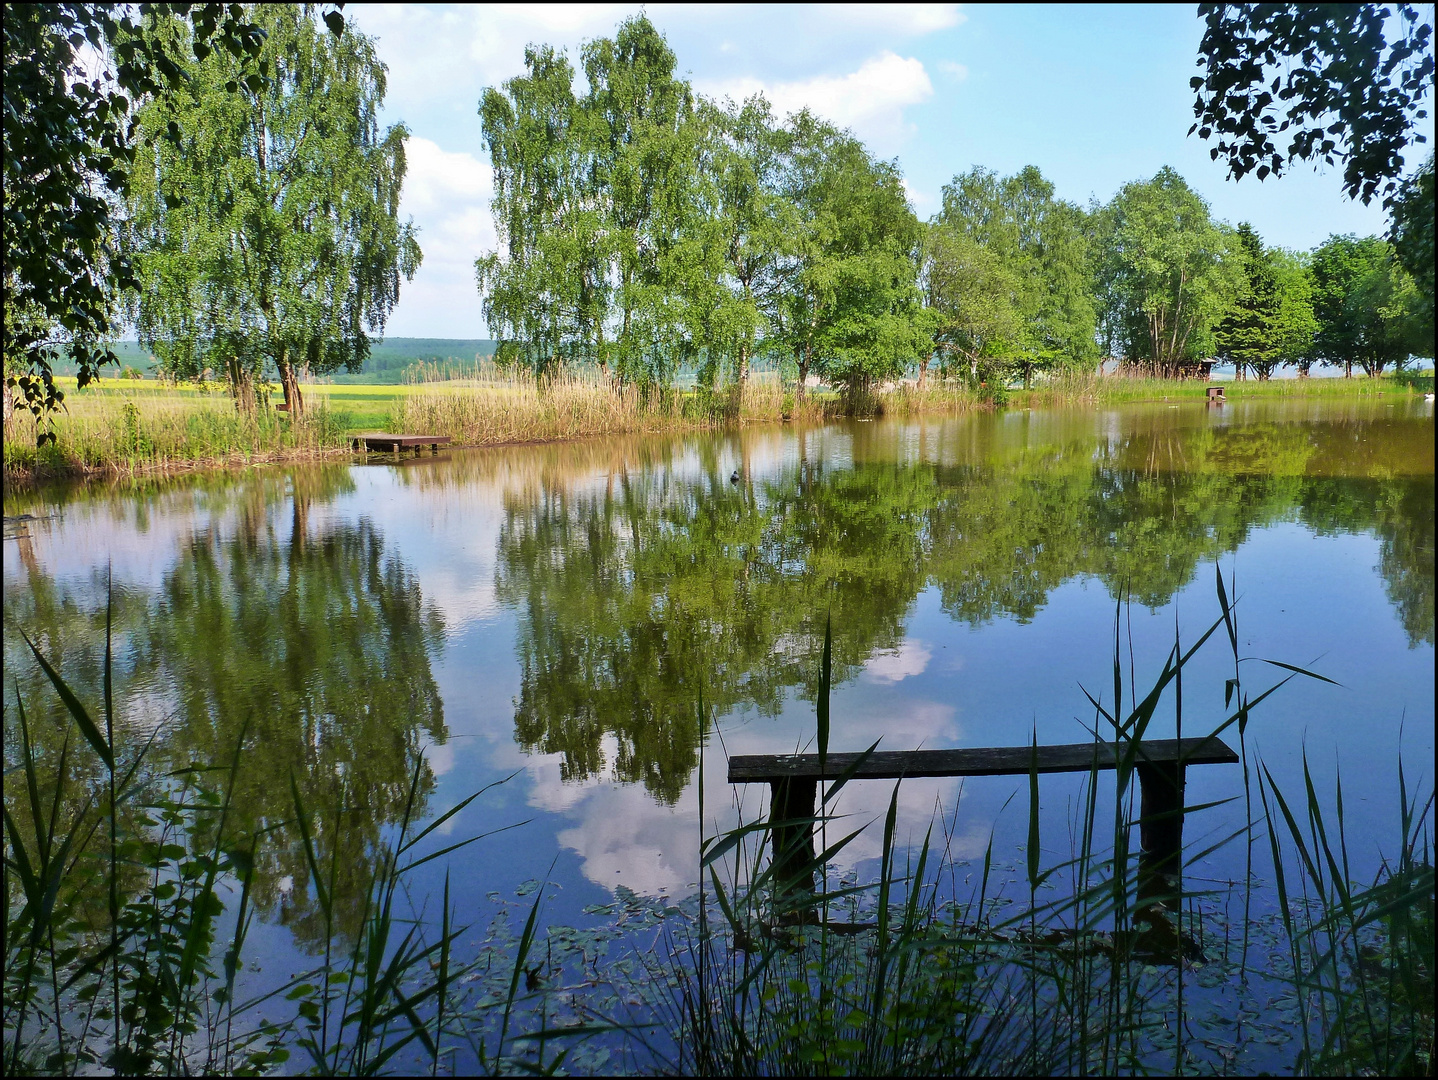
1115,390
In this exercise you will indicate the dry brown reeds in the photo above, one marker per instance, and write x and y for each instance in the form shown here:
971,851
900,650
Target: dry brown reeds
495,407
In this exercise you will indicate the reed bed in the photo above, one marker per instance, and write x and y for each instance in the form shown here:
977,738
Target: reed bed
949,396
132,431
492,406
133,428
483,413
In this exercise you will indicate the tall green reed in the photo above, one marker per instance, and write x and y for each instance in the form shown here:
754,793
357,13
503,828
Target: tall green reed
117,878
1089,976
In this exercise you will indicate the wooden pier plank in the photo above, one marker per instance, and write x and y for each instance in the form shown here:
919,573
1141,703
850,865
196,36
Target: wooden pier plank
384,440
986,761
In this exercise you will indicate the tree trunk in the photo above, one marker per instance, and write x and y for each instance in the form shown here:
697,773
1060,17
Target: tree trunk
294,400
802,355
242,389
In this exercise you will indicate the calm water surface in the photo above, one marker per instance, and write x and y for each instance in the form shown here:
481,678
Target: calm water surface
557,611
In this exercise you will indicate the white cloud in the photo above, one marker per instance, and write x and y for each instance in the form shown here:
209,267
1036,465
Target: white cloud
910,658
921,201
954,69
870,101
448,196
907,19
449,53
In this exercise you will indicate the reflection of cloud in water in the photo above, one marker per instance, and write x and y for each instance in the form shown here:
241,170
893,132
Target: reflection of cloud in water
548,791
911,726
910,658
461,600
440,757
624,837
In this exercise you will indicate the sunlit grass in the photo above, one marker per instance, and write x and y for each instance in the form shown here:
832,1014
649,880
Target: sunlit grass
131,427
1117,389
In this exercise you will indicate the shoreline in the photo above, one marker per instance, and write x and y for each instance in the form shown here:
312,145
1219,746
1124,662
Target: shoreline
901,404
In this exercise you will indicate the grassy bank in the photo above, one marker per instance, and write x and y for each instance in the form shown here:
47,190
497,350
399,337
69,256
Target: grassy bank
1118,390
125,427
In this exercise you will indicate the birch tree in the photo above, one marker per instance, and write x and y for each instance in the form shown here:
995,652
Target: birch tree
264,224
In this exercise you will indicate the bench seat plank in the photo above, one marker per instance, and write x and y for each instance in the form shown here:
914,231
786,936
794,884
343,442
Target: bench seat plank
987,761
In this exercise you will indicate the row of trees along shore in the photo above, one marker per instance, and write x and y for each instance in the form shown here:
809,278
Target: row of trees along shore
643,229
646,229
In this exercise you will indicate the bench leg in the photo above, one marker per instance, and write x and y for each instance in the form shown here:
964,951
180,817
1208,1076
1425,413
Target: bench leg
1157,924
793,844
1161,808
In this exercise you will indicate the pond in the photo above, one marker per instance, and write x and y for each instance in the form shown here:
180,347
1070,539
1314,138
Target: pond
574,616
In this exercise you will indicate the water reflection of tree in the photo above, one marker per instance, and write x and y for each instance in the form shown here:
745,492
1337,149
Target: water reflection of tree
1400,513
636,598
303,631
633,595
321,645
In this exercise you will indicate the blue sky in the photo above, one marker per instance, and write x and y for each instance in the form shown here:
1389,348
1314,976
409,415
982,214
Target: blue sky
1094,96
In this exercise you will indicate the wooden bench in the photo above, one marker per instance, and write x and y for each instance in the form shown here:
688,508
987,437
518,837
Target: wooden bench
396,443
1215,395
1161,763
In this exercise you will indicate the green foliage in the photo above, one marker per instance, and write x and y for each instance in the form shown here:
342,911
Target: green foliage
1317,56
1023,304
850,307
1368,308
645,230
69,150
264,225
1412,238
1293,324
742,238
972,296
1271,319
1166,274
546,293
590,195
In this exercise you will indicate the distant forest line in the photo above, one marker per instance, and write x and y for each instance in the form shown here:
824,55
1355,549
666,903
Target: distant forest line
388,360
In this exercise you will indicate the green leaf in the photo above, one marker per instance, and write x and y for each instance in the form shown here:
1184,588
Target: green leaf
77,711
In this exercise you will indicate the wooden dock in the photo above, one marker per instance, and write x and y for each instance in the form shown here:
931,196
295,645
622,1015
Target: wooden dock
383,441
